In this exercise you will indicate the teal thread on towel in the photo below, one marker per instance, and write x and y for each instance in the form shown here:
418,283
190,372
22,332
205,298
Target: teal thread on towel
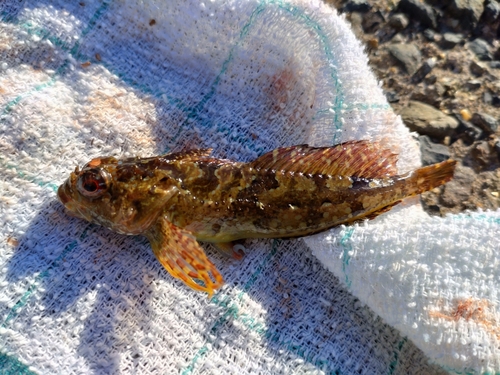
28,176
45,34
26,296
232,309
14,311
193,113
346,245
12,366
339,98
397,352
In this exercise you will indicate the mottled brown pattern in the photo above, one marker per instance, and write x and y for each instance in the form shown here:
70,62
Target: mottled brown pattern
288,192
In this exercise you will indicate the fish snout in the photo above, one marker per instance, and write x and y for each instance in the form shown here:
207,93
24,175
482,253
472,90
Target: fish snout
63,194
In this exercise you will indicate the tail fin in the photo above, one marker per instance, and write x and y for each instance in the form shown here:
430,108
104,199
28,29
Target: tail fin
427,178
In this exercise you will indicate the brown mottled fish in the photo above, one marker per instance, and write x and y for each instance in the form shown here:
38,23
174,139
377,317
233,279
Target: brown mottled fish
177,199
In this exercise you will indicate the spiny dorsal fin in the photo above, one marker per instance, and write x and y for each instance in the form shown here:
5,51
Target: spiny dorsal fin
362,159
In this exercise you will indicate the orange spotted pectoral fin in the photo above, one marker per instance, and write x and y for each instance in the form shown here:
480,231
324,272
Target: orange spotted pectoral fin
183,257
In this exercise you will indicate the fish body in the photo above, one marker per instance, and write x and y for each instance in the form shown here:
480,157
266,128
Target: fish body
177,199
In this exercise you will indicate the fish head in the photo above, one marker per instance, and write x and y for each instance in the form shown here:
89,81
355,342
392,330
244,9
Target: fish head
126,196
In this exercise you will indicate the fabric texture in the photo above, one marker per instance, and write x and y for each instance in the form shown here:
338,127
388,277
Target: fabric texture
107,77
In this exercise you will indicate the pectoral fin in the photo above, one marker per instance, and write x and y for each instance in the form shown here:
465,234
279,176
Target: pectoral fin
183,257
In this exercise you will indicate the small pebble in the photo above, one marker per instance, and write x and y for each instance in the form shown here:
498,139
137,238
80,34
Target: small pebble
495,101
481,48
472,85
419,11
492,11
495,64
471,132
432,153
362,6
408,55
450,40
425,69
392,97
477,69
486,122
466,115
398,21
487,98
430,35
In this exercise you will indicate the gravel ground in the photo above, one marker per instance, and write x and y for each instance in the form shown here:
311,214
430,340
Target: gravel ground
439,65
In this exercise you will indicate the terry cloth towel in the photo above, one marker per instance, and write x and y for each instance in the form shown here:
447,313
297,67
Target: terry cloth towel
407,293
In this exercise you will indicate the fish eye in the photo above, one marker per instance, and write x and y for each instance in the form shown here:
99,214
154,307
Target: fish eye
93,183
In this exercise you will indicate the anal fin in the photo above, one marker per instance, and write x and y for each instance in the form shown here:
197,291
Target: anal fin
183,257
231,249
373,215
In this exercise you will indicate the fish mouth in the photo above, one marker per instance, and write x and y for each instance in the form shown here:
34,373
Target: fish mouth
63,193
71,206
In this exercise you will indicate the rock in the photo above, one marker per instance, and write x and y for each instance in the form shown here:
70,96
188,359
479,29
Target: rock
452,23
491,11
496,148
450,40
457,191
495,64
468,11
392,96
430,80
398,21
407,54
450,87
472,85
454,62
477,69
465,114
495,101
487,98
362,6
486,122
372,21
431,152
427,120
432,94
430,35
469,131
496,55
419,11
356,20
398,38
481,154
481,48
423,70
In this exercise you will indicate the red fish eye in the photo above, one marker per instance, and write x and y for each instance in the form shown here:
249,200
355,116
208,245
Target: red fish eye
91,186
93,183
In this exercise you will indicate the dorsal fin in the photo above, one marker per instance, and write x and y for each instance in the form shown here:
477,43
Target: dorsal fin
191,155
362,159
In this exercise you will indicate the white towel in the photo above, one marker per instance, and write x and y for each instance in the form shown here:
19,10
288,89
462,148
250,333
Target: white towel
124,77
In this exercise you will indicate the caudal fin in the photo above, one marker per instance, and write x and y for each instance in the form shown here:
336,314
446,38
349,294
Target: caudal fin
427,178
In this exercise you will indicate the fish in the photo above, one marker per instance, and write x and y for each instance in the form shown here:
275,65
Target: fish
178,199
